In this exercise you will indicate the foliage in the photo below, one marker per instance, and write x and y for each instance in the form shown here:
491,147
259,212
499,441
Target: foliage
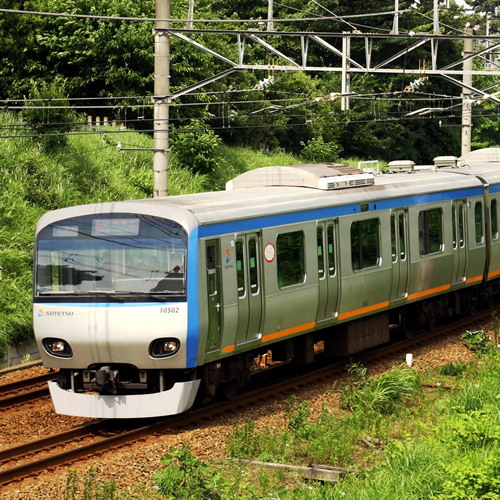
275,110
477,341
183,476
91,489
452,369
316,150
197,151
44,115
468,478
384,394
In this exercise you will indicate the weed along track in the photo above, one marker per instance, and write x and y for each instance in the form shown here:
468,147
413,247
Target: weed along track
205,429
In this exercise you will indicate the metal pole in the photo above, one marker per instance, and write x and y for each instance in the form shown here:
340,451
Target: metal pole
161,102
466,94
346,75
270,14
436,17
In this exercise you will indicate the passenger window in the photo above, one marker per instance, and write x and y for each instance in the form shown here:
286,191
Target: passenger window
252,256
393,238
321,259
453,225
478,221
331,251
212,282
210,256
290,258
461,224
240,268
402,245
430,231
365,244
494,220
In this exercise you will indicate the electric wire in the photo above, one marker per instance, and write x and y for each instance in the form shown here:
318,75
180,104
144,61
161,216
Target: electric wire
171,20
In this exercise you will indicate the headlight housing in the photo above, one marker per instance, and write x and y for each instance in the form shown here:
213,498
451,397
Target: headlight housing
163,348
57,347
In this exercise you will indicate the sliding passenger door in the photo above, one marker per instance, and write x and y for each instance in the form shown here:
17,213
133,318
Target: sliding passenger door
249,287
458,213
213,294
399,251
327,270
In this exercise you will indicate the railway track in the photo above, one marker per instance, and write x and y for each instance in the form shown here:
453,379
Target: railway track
24,391
103,436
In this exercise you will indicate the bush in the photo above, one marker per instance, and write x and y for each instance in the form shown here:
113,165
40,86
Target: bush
197,151
384,394
317,150
478,341
184,476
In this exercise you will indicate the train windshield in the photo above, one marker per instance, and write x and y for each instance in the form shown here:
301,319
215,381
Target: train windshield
111,254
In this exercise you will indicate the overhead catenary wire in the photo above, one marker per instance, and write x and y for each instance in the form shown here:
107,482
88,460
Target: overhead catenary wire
183,21
350,121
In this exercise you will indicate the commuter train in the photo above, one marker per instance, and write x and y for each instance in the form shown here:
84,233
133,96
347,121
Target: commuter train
145,305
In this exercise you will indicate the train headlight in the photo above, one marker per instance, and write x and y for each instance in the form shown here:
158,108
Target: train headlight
57,347
162,348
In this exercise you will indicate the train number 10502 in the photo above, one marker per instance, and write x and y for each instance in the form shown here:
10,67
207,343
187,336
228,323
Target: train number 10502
169,310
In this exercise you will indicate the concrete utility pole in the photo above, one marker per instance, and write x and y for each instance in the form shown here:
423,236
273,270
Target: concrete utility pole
161,89
467,94
189,24
270,15
395,24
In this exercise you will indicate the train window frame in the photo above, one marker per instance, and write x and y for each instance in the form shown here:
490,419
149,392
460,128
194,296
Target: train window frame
290,259
253,269
430,231
330,241
240,268
402,238
320,253
478,222
360,252
394,251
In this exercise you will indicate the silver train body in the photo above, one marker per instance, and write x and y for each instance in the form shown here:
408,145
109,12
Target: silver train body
145,305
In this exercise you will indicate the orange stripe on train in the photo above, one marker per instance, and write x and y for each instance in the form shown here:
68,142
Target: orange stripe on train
289,331
363,310
424,293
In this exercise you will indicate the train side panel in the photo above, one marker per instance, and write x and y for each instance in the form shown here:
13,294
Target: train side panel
365,254
291,288
476,239
430,250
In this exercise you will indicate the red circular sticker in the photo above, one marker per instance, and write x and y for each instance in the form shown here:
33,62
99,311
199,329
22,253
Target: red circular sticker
269,252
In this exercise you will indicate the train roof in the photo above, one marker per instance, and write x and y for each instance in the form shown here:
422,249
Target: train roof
476,170
245,202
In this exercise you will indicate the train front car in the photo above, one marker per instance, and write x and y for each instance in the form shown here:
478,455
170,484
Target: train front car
111,311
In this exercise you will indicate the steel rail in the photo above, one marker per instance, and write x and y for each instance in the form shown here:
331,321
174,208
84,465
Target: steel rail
30,387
